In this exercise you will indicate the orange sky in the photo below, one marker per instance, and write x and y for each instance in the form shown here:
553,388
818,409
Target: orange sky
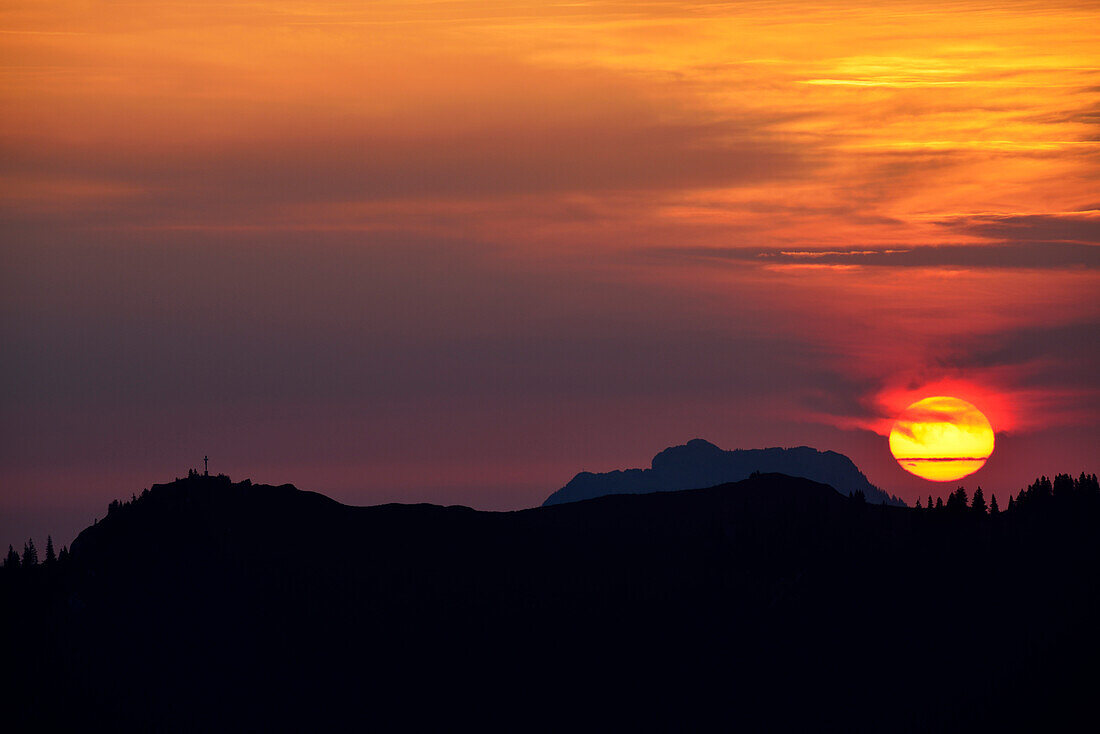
902,195
803,124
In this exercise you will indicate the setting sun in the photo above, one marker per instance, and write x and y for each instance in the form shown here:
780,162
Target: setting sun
941,439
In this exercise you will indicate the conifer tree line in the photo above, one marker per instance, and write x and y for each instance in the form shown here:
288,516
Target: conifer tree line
29,558
1063,492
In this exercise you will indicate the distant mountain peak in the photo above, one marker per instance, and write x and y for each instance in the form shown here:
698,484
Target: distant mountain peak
695,452
699,463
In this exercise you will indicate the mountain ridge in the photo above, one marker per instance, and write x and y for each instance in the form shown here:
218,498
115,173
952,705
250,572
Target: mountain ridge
699,463
208,605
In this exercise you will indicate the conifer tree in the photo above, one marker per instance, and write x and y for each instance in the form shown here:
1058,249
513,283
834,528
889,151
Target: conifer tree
956,501
978,503
51,557
12,559
929,502
918,503
993,509
1062,488
939,503
63,555
30,554
1088,485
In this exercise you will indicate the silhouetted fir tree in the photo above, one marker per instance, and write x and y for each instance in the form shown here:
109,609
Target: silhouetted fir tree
978,503
1011,503
1043,489
1063,487
30,554
63,555
939,503
12,560
1088,485
993,509
51,557
1021,498
918,503
956,501
929,502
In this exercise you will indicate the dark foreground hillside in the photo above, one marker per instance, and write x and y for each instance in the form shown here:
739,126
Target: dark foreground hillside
771,603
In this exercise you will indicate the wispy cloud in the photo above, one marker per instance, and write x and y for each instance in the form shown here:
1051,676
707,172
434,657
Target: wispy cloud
1028,255
1024,228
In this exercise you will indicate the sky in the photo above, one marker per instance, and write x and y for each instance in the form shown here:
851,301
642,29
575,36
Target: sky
456,252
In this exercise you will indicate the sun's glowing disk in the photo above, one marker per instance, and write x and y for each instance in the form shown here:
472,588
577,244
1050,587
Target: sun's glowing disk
941,439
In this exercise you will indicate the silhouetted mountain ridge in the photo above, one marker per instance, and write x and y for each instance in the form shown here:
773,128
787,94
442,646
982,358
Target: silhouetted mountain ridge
699,464
213,516
771,603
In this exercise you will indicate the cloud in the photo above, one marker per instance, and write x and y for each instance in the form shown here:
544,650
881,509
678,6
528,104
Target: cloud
219,321
615,155
1024,255
1038,228
1063,355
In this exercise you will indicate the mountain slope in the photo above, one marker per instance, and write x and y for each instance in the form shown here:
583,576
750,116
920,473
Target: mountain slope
772,603
700,464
